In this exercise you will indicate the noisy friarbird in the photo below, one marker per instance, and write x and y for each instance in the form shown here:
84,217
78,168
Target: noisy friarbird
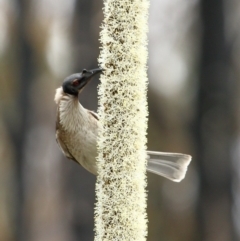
77,130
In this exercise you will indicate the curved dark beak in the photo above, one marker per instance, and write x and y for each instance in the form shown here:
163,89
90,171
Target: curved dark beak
88,74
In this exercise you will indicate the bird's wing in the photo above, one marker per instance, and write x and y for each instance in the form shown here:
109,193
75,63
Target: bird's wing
94,114
170,165
60,141
64,148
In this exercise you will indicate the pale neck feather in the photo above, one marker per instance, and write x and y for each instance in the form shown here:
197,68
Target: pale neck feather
72,114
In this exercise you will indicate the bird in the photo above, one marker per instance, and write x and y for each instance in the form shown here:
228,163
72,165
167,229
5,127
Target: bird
77,130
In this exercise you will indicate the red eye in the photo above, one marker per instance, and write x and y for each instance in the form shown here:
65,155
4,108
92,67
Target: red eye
75,82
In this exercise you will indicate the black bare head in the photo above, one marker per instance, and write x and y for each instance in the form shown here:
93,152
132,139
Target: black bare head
74,83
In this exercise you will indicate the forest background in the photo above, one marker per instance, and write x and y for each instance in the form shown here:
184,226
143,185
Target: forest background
193,96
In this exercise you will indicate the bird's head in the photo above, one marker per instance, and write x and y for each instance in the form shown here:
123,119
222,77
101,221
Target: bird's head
74,83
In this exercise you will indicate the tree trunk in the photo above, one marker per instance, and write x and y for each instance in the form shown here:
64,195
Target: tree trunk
23,81
214,132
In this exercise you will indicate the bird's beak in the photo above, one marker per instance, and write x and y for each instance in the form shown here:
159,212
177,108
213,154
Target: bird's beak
88,74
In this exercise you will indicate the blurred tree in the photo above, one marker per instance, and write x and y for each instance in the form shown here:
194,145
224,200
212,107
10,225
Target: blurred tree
214,126
24,75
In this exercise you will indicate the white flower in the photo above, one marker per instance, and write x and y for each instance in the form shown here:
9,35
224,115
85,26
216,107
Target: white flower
120,212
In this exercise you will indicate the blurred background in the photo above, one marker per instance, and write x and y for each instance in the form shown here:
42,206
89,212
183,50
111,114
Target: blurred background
194,89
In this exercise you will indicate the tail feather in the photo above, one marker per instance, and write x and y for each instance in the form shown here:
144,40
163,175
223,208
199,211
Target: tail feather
170,165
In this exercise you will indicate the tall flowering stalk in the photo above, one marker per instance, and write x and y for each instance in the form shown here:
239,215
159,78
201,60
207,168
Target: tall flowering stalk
120,212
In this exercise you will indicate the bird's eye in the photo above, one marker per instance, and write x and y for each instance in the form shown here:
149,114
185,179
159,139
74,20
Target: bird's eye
84,71
75,82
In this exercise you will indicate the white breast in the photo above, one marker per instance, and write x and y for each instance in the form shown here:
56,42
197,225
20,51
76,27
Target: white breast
78,130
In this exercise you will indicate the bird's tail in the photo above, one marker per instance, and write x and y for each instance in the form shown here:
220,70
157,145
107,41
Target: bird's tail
170,165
